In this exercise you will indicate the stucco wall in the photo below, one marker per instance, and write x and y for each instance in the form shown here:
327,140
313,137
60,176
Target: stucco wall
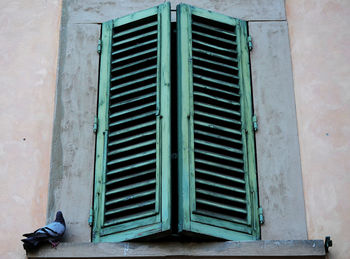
29,35
279,172
320,38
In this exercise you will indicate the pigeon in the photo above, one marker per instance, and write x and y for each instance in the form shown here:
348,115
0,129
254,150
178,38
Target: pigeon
51,232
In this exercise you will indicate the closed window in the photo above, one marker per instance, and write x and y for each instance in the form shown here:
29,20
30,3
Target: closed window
175,142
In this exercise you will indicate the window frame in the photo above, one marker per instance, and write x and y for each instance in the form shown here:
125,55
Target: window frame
75,108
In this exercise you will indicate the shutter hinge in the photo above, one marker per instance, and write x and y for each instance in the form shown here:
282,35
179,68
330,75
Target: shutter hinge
261,216
255,123
250,43
99,46
91,217
95,125
328,243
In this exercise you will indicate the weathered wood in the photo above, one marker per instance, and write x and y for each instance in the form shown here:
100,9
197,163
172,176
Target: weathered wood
277,146
98,11
184,114
191,147
247,131
253,249
73,146
121,222
102,133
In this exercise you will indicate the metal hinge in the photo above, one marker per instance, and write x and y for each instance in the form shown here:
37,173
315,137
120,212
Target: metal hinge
328,243
91,217
250,43
261,216
95,125
255,123
99,46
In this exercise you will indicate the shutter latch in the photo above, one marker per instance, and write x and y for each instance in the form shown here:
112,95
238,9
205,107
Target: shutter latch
255,123
95,125
250,43
99,46
261,216
91,217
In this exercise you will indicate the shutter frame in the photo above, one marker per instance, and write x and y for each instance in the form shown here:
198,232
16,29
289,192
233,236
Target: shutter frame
160,222
189,221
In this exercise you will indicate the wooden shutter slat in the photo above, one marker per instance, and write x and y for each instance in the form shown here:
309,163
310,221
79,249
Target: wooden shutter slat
134,73
220,73
130,176
218,146
138,28
130,197
220,156
135,64
133,206
132,186
146,114
143,125
215,55
225,129
133,82
130,138
215,81
130,167
217,165
218,137
135,46
137,55
217,90
217,108
212,214
221,206
220,195
129,40
220,175
128,158
215,98
135,146
119,113
208,27
212,62
213,37
135,90
218,117
214,46
138,98
131,218
221,186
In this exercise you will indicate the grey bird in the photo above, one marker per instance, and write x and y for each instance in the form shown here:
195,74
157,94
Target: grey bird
51,233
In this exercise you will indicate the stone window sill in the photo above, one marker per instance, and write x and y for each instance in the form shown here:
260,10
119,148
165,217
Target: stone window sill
230,249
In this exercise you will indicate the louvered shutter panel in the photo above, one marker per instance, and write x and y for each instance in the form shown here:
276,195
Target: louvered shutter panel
217,175
132,174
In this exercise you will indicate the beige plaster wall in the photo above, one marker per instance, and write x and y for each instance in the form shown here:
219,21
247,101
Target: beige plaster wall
320,38
29,34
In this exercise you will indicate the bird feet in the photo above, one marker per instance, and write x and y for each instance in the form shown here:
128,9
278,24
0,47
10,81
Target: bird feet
54,244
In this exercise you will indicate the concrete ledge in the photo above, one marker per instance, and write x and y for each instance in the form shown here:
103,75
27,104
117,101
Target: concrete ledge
230,249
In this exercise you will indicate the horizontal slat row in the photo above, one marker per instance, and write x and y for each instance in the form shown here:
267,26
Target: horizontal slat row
218,146
131,149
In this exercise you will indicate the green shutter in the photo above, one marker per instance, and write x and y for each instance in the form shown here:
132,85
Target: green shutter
217,175
132,172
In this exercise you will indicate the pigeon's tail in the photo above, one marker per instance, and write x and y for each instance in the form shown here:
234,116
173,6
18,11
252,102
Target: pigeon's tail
30,243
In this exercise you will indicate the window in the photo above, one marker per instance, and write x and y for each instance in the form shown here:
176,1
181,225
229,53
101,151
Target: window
215,190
